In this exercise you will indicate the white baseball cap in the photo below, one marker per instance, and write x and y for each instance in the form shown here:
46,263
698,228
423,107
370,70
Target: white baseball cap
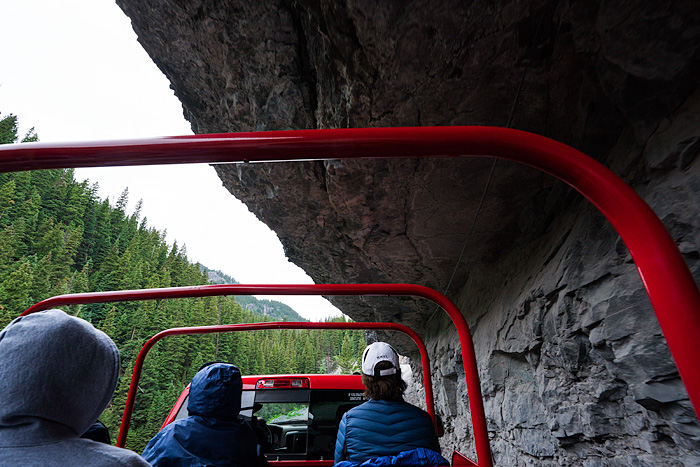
379,352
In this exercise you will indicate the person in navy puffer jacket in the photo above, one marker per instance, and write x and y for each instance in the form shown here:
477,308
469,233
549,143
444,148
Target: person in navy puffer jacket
212,435
385,425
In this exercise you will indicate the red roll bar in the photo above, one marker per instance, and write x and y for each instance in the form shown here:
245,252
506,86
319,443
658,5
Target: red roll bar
672,290
476,404
138,364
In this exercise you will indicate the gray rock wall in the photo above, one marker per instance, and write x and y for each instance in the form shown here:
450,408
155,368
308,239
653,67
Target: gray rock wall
573,366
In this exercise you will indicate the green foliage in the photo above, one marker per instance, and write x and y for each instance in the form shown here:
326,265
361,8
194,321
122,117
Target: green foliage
9,128
275,310
272,308
347,360
57,236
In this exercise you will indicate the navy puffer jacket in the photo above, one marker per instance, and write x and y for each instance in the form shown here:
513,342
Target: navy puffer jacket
212,435
383,428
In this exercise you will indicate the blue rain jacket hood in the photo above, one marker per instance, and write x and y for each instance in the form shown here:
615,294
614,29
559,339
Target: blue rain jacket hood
212,435
57,375
215,391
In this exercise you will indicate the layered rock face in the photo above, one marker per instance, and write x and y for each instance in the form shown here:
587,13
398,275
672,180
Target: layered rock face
574,367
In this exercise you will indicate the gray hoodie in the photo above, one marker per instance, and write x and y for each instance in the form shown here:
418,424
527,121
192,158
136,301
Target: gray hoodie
57,375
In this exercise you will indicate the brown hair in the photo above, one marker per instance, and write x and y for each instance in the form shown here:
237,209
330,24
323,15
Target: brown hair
389,387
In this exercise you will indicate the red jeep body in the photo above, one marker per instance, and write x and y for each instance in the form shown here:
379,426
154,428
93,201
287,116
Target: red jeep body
296,417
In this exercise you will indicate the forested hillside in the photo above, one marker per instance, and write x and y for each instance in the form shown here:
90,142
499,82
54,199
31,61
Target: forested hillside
57,236
276,311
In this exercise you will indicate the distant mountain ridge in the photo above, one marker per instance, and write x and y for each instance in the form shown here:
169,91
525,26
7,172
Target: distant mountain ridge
276,311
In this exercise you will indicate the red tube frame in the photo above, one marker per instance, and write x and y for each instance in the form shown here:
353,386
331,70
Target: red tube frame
471,371
138,364
671,287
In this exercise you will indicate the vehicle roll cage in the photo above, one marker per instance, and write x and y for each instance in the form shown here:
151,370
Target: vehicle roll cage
670,285
138,364
469,358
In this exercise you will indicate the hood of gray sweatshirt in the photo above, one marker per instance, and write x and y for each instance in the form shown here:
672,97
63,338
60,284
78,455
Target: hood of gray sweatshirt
57,375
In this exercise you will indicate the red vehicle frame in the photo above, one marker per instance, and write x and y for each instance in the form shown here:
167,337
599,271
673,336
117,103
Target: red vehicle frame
476,406
316,381
670,285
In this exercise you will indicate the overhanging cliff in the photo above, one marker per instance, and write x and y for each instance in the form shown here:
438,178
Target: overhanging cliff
573,364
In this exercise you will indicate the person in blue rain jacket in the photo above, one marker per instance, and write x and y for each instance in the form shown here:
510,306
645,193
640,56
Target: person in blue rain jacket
385,425
212,435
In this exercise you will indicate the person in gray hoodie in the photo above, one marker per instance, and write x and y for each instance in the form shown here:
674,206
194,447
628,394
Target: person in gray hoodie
57,375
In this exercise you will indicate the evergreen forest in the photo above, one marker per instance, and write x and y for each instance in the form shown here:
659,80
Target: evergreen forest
57,236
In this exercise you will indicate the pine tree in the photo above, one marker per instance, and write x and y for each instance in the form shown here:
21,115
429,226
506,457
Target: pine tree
7,200
8,248
8,129
15,290
9,126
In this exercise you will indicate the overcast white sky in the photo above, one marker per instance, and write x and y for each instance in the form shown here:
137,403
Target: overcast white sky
73,70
